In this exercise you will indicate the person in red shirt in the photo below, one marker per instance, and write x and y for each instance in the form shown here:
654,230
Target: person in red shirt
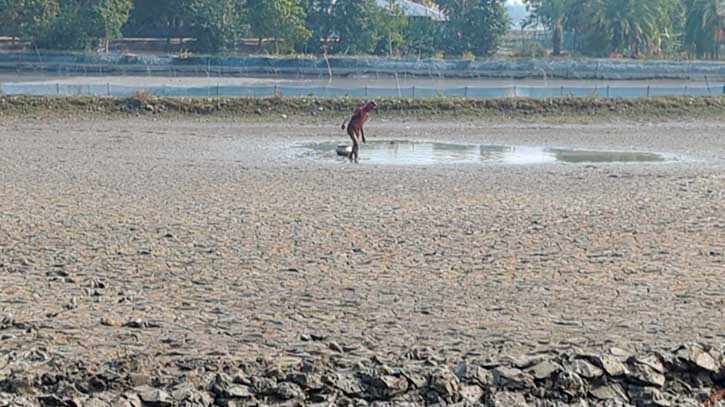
355,127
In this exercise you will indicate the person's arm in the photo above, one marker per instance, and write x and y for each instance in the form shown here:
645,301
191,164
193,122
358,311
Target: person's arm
343,124
362,132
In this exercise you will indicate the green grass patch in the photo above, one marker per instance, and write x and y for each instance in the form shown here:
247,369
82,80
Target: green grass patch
311,107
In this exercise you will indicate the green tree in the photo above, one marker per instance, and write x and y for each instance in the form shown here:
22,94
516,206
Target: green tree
108,16
158,18
279,20
640,27
354,26
83,24
423,36
26,17
703,22
392,23
357,26
551,14
476,26
625,24
321,22
217,25
670,24
68,30
577,21
11,16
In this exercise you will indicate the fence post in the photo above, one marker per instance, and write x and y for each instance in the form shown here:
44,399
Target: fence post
413,91
723,88
562,90
57,88
685,89
465,91
108,89
607,90
217,89
275,90
516,91
648,86
366,90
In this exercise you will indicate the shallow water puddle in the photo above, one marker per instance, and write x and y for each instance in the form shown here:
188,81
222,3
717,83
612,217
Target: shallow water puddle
417,153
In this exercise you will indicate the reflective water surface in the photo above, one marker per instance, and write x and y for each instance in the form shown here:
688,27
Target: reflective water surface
420,153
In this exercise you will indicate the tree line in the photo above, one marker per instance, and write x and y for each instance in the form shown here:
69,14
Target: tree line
647,28
306,26
472,27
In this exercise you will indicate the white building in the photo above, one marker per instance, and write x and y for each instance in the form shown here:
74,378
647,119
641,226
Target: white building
412,9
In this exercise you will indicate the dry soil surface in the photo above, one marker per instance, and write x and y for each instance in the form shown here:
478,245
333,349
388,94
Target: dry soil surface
187,239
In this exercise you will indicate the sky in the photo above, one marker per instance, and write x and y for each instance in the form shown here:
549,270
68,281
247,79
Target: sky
517,11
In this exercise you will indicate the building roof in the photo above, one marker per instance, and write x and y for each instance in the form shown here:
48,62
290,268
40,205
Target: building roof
412,9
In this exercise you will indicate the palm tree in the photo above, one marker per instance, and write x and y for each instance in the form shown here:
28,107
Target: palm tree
702,25
627,24
552,14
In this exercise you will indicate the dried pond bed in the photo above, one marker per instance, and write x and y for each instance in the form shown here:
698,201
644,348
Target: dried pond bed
189,262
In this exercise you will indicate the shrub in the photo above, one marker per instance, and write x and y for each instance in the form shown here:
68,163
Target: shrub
530,50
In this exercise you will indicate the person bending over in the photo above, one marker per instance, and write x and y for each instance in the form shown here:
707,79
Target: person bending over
355,127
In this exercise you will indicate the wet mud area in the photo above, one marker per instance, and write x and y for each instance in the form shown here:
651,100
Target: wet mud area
410,152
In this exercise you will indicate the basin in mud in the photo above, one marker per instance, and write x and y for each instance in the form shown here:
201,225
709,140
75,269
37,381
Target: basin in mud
417,153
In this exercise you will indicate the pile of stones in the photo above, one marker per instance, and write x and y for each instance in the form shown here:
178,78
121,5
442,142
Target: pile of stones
685,376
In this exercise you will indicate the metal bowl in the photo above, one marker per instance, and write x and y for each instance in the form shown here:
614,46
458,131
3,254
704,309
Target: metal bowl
343,150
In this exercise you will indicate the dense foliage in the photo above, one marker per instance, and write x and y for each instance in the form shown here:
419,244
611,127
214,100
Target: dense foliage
649,28
639,28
